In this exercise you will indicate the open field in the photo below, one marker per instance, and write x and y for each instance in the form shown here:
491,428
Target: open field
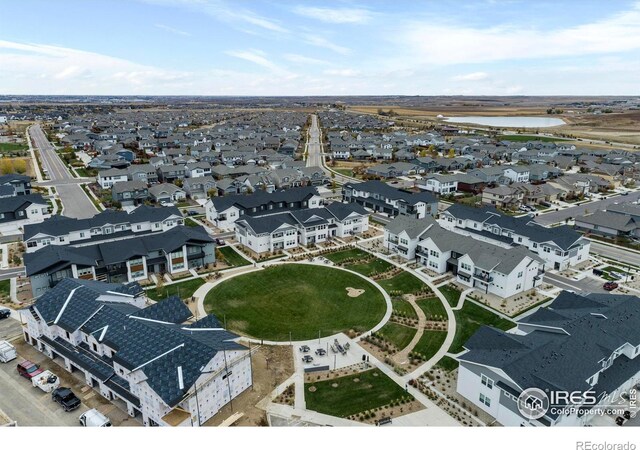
371,390
298,299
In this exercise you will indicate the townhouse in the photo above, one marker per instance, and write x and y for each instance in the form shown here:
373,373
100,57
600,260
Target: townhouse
589,344
380,197
154,361
21,184
225,211
560,247
402,235
286,230
492,269
130,193
125,258
439,184
199,187
109,224
22,209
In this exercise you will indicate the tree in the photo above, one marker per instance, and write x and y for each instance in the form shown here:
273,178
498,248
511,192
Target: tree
20,166
6,166
452,153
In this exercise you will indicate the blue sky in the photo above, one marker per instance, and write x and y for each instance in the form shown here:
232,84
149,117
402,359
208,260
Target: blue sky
236,47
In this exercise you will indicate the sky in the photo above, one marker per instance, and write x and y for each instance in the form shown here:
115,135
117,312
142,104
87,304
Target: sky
298,47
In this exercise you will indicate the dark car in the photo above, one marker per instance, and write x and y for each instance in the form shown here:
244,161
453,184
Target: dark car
28,369
66,398
4,313
192,212
610,286
220,241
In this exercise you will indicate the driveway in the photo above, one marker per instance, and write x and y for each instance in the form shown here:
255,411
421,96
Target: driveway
584,286
564,214
9,328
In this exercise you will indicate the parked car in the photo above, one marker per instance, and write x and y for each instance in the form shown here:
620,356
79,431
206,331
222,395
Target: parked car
4,313
307,359
220,241
610,286
28,369
304,348
7,352
624,193
66,398
94,418
192,212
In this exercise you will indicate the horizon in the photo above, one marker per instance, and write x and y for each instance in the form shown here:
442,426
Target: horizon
218,48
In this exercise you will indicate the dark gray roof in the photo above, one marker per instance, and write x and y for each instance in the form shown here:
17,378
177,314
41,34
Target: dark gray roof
586,330
412,225
390,192
12,204
259,198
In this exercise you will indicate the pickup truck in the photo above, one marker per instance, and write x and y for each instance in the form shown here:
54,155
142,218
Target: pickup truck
28,369
46,381
7,352
66,398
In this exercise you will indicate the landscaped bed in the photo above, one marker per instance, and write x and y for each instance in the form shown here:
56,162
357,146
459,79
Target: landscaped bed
403,308
371,390
429,344
183,289
451,294
470,318
296,301
232,257
433,308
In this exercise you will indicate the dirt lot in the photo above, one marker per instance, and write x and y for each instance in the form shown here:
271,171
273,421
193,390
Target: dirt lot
271,366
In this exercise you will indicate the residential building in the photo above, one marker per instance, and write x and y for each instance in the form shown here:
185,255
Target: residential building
589,344
402,235
155,361
609,224
224,211
560,247
492,269
21,184
439,184
199,187
380,197
130,193
166,193
22,209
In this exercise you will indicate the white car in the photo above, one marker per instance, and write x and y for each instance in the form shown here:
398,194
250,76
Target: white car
94,418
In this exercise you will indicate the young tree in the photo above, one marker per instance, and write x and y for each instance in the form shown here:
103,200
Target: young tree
451,154
6,166
20,166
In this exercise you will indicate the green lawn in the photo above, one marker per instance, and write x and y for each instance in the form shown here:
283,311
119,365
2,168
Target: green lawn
373,389
527,138
84,173
297,298
345,172
403,282
352,253
469,319
190,223
398,335
232,257
447,363
5,288
432,306
469,201
430,343
184,289
451,294
10,147
404,307
370,268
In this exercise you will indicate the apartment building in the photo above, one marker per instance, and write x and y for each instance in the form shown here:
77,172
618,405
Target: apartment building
380,197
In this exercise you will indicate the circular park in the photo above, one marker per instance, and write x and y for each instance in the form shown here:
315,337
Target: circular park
297,302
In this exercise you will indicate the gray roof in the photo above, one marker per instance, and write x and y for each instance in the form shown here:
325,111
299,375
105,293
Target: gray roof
260,198
126,186
390,192
611,220
15,203
413,226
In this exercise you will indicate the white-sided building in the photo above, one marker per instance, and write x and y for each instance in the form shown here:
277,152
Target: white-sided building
304,227
491,269
402,235
588,345
380,197
439,184
225,211
149,359
560,247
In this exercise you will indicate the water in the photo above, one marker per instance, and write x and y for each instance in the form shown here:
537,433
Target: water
509,121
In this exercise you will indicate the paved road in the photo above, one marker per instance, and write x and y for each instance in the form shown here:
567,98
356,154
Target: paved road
6,274
583,286
563,214
75,201
616,254
315,158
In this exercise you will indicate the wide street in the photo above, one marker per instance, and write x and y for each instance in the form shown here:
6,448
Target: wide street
75,201
584,286
590,207
314,152
615,253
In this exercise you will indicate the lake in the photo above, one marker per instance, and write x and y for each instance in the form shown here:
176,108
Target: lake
509,121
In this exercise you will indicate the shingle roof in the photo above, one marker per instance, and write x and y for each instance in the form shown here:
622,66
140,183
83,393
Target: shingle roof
412,225
259,198
390,192
12,204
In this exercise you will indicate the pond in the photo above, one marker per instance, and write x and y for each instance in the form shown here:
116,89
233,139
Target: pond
509,121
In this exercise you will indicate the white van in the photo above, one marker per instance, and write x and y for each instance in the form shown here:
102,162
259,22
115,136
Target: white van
94,418
7,352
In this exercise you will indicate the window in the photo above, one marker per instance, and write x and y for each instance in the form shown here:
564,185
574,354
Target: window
81,235
519,274
486,381
518,287
485,400
465,266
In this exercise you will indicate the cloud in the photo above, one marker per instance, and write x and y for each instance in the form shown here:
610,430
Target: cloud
225,12
255,56
172,30
324,43
350,73
475,76
447,44
335,15
301,59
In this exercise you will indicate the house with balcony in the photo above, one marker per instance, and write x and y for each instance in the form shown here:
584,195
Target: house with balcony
560,247
402,235
380,197
225,211
491,269
120,259
153,361
588,344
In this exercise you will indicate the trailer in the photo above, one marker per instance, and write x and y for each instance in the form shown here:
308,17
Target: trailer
7,352
47,381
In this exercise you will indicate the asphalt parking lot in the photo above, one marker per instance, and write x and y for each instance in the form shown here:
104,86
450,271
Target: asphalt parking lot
584,286
9,328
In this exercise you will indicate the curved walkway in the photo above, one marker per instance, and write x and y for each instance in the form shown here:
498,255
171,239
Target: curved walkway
201,293
403,355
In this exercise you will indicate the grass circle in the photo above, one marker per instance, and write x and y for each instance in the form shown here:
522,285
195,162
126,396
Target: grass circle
300,299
